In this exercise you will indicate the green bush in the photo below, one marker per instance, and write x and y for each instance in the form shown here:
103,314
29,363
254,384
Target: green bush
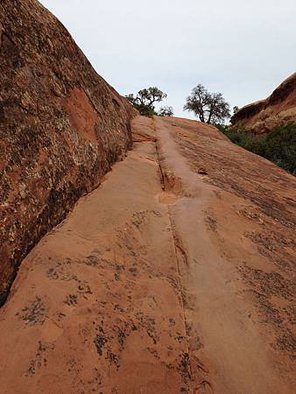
145,99
166,111
278,146
145,110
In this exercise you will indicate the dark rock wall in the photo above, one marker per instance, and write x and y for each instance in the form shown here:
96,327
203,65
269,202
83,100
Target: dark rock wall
61,129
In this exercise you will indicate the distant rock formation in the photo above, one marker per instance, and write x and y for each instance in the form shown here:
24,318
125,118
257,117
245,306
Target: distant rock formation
278,109
61,128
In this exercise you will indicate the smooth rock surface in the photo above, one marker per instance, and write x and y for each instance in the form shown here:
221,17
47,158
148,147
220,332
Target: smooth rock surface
162,280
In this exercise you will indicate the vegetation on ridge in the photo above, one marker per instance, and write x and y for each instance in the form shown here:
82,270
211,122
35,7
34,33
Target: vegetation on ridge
145,101
278,146
208,107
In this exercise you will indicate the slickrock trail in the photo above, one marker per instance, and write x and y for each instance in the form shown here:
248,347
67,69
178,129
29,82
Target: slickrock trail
176,275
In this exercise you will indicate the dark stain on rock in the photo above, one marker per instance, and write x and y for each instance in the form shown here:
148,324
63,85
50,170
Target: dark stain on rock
33,313
100,341
184,367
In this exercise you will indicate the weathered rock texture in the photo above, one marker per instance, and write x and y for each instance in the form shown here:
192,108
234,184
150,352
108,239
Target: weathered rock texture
176,275
278,109
61,128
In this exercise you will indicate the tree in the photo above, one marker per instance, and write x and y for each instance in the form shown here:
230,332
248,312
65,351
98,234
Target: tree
209,107
166,111
145,99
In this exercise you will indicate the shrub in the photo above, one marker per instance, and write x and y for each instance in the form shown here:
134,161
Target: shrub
278,146
166,111
145,99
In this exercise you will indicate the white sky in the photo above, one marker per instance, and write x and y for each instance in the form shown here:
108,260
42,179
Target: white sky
241,48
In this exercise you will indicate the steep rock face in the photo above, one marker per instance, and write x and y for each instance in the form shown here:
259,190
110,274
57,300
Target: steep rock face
61,128
278,109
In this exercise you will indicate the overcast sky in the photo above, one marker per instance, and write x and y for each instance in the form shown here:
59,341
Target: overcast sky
242,48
